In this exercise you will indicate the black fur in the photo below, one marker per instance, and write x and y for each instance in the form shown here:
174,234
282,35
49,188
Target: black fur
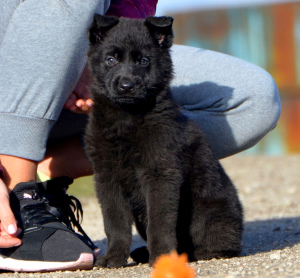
152,165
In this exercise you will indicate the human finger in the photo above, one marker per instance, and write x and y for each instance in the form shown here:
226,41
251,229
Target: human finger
9,241
70,103
84,106
8,221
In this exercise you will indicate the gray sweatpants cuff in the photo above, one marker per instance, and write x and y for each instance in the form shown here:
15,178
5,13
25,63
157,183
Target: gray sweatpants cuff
18,132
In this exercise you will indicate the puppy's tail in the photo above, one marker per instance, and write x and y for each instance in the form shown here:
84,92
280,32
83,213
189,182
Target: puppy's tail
140,255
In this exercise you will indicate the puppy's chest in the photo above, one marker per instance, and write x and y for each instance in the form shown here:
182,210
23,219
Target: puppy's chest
133,141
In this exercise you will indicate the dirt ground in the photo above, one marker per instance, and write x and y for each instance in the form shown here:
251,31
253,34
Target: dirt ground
269,188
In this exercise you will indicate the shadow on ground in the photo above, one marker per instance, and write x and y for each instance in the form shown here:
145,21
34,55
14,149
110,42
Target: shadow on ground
272,234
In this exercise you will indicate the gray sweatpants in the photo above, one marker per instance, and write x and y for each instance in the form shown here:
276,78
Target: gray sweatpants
42,54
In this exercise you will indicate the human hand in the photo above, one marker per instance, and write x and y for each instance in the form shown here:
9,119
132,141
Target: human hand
80,100
8,225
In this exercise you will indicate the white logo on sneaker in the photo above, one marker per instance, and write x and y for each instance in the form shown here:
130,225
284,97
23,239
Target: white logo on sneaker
27,196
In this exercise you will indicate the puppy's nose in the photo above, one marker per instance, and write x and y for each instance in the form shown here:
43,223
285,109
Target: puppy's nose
125,86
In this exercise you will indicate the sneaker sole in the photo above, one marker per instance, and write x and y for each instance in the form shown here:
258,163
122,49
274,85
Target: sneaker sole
85,262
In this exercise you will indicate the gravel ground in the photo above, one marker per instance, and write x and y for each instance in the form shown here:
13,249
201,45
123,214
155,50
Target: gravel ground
269,188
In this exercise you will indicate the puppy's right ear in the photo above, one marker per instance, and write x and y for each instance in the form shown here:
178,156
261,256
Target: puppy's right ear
101,24
161,29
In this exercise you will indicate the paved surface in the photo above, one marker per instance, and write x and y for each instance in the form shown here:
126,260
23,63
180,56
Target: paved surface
269,188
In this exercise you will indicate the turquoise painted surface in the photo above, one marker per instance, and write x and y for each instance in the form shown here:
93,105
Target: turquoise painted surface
268,36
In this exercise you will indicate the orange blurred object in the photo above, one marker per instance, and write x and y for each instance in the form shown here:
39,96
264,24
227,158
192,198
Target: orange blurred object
172,266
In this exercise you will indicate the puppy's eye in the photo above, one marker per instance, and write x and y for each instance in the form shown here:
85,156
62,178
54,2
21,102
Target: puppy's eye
111,61
144,62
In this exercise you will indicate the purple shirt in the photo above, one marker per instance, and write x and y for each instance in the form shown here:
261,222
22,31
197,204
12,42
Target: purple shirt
132,8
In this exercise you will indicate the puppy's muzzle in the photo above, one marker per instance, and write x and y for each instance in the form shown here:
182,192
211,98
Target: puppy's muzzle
125,86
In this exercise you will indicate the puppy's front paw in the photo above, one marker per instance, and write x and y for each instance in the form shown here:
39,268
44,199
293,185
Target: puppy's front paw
155,252
153,257
111,261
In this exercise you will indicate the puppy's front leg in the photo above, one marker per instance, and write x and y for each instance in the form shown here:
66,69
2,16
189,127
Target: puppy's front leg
117,225
162,197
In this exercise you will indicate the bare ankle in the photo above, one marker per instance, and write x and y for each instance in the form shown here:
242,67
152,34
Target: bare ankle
66,158
17,170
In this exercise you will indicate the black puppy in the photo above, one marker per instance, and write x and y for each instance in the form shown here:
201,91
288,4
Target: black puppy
152,165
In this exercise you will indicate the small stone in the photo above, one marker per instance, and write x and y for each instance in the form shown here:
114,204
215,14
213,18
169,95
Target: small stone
275,256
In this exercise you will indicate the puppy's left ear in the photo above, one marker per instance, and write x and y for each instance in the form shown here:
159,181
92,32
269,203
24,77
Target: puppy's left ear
161,28
101,24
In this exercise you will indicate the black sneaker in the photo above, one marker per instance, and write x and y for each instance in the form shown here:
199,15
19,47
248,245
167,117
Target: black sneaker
68,206
49,242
